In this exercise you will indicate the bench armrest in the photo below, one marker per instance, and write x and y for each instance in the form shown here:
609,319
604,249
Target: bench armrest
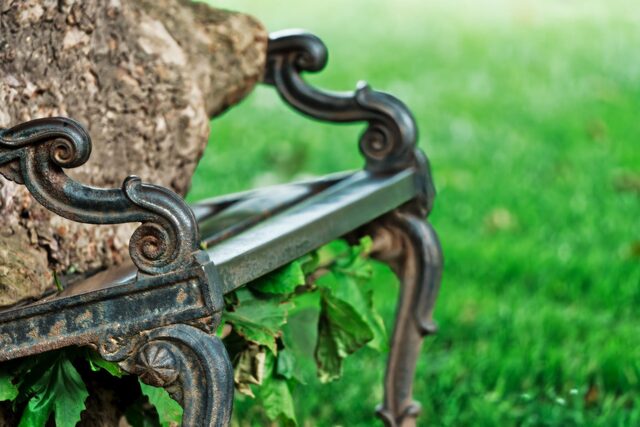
388,144
38,151
402,238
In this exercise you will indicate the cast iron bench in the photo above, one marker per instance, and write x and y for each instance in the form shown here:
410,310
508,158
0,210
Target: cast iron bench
157,316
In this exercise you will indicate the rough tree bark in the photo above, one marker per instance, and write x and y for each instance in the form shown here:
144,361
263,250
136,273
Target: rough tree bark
144,76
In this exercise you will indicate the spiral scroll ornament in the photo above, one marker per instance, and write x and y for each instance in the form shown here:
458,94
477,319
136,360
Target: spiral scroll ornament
35,153
192,365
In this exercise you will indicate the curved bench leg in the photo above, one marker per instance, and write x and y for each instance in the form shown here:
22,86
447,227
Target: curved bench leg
192,365
410,246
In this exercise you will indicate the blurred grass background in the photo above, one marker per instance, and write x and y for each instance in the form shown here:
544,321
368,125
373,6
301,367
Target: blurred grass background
528,111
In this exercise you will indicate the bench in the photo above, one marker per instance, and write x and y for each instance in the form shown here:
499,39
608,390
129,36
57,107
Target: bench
156,316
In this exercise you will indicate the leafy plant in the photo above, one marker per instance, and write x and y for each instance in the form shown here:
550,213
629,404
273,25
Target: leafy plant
313,310
46,384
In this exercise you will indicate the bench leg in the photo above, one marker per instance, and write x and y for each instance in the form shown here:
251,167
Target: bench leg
192,365
410,246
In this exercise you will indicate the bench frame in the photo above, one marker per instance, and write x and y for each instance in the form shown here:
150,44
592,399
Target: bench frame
158,317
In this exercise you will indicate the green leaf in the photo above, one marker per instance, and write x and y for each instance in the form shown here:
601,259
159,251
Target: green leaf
97,363
277,402
169,411
356,262
284,280
59,390
346,288
300,335
380,341
276,397
351,270
259,321
364,246
323,337
8,390
341,331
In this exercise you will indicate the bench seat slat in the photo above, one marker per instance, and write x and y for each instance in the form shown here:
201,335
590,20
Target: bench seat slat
304,227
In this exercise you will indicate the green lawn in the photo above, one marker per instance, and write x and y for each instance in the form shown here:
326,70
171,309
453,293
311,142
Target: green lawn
530,114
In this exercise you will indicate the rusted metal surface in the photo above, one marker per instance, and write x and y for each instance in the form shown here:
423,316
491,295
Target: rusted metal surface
157,316
107,315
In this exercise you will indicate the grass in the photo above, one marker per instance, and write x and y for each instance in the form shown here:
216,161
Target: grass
529,112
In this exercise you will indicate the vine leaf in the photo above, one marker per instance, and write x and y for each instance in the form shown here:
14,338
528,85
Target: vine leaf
169,411
259,321
58,389
332,251
346,280
276,396
347,320
341,331
354,259
285,366
346,288
277,401
299,337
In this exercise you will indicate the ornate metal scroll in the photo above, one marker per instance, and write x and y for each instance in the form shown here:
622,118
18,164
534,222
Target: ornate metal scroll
410,246
389,142
193,366
34,153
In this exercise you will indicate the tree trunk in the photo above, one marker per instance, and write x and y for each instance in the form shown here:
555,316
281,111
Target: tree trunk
144,77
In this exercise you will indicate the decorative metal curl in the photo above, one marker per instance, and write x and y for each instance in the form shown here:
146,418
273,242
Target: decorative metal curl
35,152
192,365
389,142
